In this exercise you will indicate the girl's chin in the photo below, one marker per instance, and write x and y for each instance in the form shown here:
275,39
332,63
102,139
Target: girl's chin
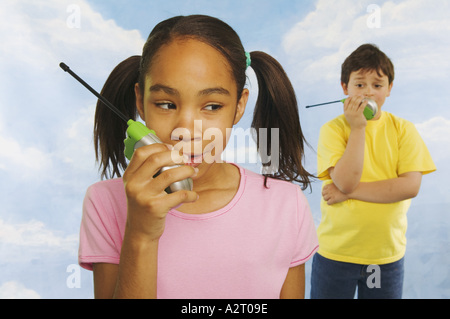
203,163
195,165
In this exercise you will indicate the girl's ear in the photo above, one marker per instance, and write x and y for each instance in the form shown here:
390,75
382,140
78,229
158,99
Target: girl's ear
139,101
240,108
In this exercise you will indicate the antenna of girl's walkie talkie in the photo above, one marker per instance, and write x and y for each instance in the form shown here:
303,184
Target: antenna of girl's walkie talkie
87,86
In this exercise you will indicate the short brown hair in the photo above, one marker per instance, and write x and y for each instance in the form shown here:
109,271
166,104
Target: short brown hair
367,57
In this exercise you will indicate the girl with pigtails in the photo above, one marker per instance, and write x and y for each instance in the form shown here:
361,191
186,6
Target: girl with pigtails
237,234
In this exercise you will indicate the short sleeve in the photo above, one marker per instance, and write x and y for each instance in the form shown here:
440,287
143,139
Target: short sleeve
413,153
97,233
331,147
307,241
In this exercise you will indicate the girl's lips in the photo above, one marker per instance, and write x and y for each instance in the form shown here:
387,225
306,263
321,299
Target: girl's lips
194,160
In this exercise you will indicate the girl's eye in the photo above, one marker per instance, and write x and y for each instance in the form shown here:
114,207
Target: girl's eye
213,107
166,106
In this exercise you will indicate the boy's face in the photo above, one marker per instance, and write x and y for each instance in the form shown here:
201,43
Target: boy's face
369,84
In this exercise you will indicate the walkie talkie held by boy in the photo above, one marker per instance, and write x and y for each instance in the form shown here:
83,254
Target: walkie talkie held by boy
138,135
370,111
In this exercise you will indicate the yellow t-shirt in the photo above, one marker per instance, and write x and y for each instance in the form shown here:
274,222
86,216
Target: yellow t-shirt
361,232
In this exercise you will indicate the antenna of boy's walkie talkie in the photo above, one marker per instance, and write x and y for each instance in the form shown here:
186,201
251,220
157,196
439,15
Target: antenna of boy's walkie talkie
370,110
309,106
87,86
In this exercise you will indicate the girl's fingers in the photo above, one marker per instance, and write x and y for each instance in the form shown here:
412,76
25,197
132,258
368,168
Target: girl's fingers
148,160
169,176
141,176
176,199
141,155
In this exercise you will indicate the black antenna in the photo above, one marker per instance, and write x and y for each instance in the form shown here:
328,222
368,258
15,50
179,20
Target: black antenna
101,98
309,106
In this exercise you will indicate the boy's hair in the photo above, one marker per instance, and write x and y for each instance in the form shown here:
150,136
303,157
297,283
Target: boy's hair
367,57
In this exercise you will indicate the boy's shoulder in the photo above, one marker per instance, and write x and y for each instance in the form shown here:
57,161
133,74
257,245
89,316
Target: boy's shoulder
401,124
387,119
338,125
395,118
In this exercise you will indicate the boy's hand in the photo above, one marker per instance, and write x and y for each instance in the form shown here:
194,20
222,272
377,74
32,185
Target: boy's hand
332,195
354,112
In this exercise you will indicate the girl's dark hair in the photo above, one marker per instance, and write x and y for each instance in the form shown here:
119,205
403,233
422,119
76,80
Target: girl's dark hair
368,57
110,129
276,106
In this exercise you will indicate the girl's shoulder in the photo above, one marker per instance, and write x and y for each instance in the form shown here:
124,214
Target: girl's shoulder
255,182
106,189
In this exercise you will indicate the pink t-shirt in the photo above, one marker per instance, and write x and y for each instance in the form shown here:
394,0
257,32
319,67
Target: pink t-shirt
242,251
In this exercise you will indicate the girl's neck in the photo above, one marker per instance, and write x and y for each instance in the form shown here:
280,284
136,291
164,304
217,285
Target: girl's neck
216,187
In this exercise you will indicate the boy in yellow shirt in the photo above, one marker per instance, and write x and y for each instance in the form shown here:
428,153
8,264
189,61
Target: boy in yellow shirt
370,171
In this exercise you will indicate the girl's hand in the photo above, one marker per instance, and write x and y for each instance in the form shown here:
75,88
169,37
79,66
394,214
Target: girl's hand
332,195
147,203
353,110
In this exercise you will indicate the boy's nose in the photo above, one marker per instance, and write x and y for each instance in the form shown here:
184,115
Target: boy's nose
368,92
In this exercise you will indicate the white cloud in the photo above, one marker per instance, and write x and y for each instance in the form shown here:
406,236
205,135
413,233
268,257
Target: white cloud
417,29
16,290
241,147
76,145
436,134
54,111
24,161
37,32
35,234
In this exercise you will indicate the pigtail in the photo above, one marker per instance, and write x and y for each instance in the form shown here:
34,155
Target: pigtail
109,129
276,107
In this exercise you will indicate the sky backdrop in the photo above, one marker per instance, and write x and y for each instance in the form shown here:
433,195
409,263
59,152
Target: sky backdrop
46,118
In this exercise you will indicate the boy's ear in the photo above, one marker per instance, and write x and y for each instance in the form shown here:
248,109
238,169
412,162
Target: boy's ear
139,101
240,108
345,88
390,88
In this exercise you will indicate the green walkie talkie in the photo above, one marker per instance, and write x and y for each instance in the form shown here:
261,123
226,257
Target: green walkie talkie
138,135
370,111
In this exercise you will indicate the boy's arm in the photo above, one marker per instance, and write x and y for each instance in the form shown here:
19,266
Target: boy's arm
347,172
406,186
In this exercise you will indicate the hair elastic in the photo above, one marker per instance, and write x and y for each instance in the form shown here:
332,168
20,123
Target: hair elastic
249,60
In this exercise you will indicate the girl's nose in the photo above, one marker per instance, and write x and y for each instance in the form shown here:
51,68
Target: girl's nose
188,128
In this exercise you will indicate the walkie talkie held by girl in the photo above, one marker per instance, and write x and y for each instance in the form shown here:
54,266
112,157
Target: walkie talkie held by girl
138,135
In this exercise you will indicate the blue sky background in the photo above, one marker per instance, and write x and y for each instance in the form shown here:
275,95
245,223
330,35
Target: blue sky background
46,118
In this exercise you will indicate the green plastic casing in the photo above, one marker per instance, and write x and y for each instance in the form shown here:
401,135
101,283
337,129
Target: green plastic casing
368,113
135,132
